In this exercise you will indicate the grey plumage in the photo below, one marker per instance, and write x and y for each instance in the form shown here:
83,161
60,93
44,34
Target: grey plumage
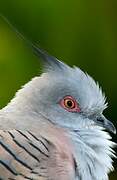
40,139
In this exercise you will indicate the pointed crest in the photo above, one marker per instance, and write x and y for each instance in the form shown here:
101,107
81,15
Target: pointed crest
49,62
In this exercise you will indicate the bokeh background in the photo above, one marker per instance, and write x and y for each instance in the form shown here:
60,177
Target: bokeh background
80,32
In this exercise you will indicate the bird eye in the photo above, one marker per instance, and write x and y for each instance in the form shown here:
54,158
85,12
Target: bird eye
70,104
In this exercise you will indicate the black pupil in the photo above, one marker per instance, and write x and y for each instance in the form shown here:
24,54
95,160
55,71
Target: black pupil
69,103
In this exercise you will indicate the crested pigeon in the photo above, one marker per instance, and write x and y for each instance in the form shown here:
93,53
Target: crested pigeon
54,127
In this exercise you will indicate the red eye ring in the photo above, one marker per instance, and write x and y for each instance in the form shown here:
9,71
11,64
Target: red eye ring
70,104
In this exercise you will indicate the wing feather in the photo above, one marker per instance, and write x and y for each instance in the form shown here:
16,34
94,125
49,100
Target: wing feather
23,155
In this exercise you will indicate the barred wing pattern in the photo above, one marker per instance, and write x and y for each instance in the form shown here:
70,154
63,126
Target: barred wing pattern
23,155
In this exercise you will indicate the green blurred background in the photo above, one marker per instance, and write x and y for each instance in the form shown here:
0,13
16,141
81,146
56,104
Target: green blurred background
80,32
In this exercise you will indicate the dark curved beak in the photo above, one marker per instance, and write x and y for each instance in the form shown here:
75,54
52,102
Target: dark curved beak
108,125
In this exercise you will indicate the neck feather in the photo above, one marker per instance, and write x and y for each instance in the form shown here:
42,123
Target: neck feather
93,153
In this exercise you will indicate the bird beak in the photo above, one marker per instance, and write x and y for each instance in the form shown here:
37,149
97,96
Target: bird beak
108,125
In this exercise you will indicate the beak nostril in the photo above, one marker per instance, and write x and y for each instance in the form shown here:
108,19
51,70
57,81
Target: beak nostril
100,120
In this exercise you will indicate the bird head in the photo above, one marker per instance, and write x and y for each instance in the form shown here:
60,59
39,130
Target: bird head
69,97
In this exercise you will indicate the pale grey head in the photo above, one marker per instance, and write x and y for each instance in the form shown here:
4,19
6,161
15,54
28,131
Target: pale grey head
61,81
